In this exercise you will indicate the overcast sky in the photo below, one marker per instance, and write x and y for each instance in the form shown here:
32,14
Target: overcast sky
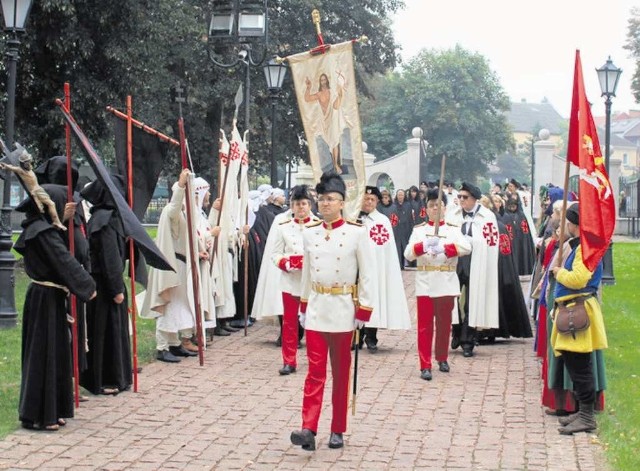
529,45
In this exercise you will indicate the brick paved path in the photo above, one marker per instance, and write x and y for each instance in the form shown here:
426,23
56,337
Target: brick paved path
237,413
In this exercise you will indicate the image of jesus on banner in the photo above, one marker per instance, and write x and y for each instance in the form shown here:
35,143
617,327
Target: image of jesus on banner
334,125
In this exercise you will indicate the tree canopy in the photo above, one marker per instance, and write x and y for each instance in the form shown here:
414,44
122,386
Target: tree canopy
141,48
633,45
457,100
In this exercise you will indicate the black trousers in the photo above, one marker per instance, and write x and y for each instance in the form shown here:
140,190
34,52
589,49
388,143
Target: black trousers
580,370
462,331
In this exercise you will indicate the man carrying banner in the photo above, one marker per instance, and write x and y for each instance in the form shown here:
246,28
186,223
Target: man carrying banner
390,309
336,298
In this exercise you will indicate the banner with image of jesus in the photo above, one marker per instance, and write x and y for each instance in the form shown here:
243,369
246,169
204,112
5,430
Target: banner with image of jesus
326,92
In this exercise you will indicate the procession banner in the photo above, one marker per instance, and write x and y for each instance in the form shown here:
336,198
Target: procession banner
326,91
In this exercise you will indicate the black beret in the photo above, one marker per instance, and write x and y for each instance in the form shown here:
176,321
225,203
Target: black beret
300,192
472,189
515,183
373,190
331,182
432,194
573,214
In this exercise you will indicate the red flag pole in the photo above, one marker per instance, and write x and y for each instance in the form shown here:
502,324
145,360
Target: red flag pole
132,266
72,249
194,256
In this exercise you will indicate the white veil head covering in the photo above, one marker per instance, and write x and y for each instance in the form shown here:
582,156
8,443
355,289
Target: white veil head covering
265,191
200,187
277,192
255,198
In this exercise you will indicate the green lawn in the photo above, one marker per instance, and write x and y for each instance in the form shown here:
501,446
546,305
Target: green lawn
620,423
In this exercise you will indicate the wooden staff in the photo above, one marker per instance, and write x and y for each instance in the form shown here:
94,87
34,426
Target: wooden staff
72,250
563,213
193,256
219,218
144,127
439,200
132,266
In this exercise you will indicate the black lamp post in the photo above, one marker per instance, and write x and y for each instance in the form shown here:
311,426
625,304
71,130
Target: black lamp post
608,75
274,72
236,27
15,13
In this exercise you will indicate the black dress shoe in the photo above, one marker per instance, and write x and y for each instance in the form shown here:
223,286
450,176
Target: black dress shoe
167,356
455,343
287,370
228,328
426,374
335,440
371,346
467,353
182,352
304,438
220,332
239,323
443,366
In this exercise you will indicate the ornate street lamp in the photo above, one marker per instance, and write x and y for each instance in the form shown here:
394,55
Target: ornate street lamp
15,13
274,72
609,76
236,29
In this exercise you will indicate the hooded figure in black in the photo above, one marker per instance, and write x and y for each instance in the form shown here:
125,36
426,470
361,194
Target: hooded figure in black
522,245
512,310
54,171
109,358
46,389
403,216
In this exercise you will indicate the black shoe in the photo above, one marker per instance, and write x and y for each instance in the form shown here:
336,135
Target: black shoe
443,366
279,341
335,440
371,346
467,353
230,329
287,370
167,356
220,332
426,374
182,352
304,438
239,323
455,343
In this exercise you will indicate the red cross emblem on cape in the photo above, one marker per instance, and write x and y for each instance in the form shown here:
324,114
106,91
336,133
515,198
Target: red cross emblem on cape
524,226
379,234
394,219
490,234
509,230
423,213
505,244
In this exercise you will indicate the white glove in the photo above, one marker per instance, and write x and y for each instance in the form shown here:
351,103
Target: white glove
431,241
358,324
302,319
287,266
437,249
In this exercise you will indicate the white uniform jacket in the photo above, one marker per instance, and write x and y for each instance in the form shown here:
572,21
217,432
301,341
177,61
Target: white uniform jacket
436,274
336,256
288,248
390,310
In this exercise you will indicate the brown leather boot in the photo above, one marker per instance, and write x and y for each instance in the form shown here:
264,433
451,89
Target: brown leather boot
187,344
585,422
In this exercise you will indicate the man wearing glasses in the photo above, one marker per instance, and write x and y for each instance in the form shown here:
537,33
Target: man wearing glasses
478,272
336,298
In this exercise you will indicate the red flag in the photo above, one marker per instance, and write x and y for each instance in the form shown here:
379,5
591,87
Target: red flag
597,205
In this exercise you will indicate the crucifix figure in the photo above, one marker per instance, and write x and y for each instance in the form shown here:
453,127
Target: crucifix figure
39,195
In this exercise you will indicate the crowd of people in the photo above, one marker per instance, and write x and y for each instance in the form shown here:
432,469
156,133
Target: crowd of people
329,280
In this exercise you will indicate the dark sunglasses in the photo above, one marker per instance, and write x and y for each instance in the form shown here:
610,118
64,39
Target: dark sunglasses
463,197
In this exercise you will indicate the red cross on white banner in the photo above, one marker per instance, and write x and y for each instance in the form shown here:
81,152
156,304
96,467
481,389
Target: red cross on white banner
379,234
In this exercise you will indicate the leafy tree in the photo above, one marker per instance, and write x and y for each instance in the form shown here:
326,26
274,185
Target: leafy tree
456,99
633,45
140,48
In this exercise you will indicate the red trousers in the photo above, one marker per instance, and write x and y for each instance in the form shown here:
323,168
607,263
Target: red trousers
428,310
338,345
290,329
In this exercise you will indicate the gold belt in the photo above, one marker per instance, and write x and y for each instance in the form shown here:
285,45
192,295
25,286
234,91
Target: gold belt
344,289
51,284
436,268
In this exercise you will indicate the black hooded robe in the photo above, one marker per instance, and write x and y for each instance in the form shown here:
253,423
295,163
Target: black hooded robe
109,356
403,215
46,389
522,245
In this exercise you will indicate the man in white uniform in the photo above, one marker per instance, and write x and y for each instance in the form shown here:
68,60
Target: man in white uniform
437,284
288,257
337,297
390,309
